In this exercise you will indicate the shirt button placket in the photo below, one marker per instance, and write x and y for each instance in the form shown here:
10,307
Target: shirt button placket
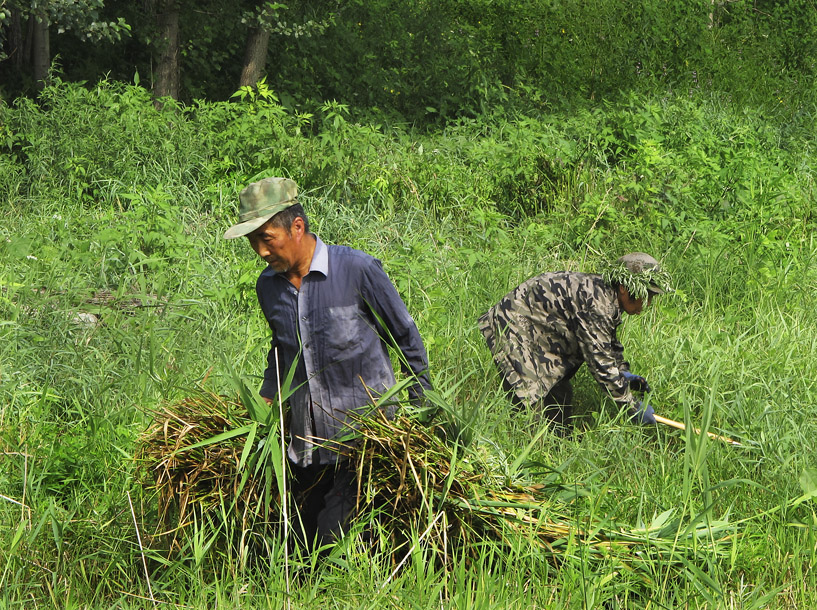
306,337
313,380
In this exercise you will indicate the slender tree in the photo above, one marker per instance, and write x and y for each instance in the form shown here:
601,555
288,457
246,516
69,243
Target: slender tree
167,74
29,48
255,56
266,20
40,47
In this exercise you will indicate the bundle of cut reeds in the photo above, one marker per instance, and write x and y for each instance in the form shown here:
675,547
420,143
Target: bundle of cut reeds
194,456
191,455
419,477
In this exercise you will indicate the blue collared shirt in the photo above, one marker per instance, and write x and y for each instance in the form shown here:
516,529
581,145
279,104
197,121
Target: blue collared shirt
330,331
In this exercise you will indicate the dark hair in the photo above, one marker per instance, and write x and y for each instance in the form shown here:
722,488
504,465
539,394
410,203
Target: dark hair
285,218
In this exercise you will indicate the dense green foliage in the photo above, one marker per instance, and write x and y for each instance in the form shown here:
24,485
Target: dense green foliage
469,145
434,61
115,208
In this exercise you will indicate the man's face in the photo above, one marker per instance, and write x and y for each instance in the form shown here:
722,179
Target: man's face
276,246
630,305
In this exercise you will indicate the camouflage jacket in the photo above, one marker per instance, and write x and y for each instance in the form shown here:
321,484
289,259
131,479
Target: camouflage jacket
550,324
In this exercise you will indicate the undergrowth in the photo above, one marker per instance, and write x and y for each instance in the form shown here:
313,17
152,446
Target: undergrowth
119,296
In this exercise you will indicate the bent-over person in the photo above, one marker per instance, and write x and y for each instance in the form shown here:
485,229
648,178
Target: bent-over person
542,331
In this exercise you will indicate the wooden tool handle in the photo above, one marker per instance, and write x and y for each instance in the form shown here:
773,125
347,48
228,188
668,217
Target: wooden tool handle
680,426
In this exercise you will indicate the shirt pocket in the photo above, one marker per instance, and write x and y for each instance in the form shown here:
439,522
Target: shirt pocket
344,329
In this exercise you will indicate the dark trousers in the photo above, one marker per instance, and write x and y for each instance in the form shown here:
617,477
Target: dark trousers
326,498
556,407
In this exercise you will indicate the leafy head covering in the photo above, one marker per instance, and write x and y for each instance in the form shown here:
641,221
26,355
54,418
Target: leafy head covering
639,273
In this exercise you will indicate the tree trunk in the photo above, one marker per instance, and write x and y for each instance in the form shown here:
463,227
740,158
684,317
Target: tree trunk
166,83
40,52
255,57
16,52
29,35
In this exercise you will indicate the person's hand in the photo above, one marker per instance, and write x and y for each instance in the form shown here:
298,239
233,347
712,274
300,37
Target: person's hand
642,414
637,382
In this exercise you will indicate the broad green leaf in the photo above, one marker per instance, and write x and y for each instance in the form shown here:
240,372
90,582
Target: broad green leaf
808,481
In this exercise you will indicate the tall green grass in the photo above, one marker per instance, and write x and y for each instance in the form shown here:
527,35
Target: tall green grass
128,227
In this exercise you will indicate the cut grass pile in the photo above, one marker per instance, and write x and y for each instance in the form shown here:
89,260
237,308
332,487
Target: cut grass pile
194,456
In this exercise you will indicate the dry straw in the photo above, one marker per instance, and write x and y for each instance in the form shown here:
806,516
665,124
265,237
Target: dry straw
193,456
417,474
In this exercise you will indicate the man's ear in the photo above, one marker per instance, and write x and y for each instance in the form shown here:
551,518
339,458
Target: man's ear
297,228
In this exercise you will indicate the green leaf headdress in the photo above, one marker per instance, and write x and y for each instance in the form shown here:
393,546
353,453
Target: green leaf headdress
639,273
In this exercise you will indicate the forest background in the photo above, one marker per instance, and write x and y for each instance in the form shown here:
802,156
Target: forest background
469,145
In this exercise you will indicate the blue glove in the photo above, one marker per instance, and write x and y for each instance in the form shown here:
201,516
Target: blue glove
637,382
642,414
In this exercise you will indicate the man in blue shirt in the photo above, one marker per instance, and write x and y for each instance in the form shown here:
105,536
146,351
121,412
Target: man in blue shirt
333,313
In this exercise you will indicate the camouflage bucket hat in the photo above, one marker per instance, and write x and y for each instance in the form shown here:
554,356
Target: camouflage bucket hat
640,274
260,201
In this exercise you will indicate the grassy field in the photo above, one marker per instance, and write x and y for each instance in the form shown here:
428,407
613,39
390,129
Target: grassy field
112,208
